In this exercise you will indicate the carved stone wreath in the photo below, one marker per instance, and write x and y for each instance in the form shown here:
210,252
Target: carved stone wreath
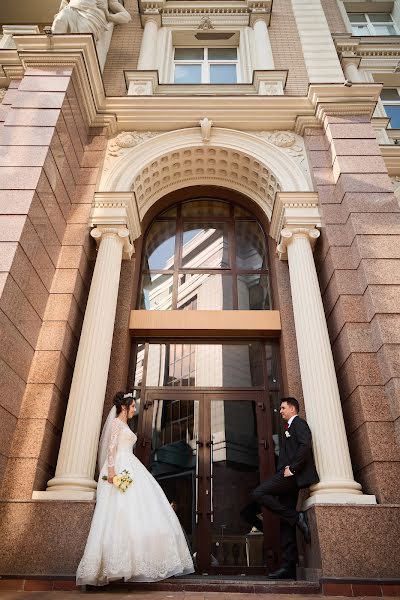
283,139
2,94
129,139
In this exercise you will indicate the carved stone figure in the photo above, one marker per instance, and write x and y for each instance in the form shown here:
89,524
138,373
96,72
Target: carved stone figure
89,16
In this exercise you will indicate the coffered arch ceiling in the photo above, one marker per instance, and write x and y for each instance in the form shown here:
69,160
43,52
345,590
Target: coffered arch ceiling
162,163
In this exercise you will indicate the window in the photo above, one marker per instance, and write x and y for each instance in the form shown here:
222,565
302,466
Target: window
205,65
372,24
205,254
391,101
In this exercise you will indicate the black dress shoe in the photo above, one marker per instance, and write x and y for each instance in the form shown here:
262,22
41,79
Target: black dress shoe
283,573
302,524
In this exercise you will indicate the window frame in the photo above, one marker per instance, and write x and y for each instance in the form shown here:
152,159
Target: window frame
391,103
370,25
205,64
232,270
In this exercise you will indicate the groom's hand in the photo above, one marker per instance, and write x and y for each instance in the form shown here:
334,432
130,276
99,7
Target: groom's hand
287,472
111,475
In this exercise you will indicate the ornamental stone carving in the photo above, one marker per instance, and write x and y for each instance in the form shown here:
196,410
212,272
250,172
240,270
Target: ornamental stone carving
289,142
396,187
2,94
128,139
89,16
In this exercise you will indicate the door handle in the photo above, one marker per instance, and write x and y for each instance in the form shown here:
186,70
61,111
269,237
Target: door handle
264,443
147,404
261,406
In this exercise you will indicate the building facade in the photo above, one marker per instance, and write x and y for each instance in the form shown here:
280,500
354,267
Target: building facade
198,201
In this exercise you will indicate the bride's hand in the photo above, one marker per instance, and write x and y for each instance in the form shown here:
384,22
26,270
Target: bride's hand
111,475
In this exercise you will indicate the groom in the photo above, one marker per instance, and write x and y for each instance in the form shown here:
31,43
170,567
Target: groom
279,493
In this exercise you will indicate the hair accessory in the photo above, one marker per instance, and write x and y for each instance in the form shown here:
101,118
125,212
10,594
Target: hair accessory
128,395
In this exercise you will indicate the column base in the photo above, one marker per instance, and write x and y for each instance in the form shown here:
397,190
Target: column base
338,498
70,495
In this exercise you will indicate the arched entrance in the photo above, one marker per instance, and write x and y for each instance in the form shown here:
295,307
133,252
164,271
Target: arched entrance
208,424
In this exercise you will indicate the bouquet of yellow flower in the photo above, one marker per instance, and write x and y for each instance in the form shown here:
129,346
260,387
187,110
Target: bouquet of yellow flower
122,481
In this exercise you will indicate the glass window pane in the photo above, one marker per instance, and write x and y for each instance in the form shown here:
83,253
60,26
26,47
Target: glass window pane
215,365
360,30
205,245
187,74
394,113
189,53
205,208
222,54
384,30
223,74
170,212
390,94
203,291
250,245
241,212
253,292
357,18
156,292
160,246
380,17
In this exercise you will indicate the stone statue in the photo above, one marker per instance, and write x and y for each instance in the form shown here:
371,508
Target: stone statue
89,16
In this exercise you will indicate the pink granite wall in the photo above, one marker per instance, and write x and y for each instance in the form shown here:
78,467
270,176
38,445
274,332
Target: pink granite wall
359,265
49,166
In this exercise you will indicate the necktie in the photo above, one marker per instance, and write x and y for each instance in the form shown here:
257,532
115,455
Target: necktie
286,426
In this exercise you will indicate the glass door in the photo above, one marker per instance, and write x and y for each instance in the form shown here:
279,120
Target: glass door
208,451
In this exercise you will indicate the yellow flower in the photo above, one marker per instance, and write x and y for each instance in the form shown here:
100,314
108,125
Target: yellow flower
117,480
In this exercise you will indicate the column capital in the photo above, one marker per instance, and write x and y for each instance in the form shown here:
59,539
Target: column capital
259,14
294,209
117,210
120,233
151,15
289,234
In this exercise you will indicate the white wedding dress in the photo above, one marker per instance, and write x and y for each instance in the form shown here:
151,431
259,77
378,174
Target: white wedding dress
134,535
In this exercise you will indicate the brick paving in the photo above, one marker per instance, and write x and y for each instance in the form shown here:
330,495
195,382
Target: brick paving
150,595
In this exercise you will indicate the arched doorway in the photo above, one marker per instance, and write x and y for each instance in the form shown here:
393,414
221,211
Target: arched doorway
208,423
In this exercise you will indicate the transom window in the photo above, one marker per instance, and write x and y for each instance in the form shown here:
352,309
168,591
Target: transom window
205,65
372,24
205,254
391,101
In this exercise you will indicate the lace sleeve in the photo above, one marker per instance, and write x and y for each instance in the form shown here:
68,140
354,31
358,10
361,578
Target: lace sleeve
113,443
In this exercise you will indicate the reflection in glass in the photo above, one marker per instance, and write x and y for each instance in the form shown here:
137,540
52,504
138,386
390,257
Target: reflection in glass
253,292
222,54
205,245
223,73
205,208
189,53
160,246
250,245
235,466
156,292
174,461
205,365
204,291
187,73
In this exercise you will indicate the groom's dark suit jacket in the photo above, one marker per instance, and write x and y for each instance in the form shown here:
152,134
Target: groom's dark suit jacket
296,452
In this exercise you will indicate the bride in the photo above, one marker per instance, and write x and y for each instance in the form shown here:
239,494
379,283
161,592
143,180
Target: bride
135,535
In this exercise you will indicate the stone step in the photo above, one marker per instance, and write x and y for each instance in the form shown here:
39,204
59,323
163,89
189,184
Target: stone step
244,585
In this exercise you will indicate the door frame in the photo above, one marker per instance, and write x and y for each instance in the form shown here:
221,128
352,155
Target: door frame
204,508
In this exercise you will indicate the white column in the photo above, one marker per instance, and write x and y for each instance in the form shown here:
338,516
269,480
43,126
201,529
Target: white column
318,376
74,477
351,72
148,48
263,50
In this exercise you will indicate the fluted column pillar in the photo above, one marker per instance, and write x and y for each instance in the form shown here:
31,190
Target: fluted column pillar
262,44
148,48
74,477
318,376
